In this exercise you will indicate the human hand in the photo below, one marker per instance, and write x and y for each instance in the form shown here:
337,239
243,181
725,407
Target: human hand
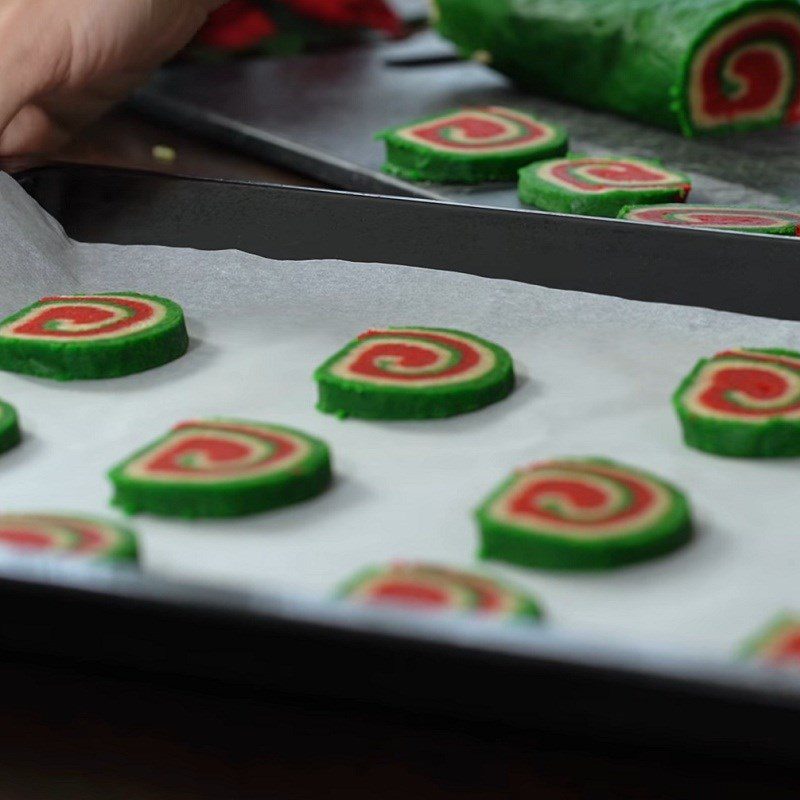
64,62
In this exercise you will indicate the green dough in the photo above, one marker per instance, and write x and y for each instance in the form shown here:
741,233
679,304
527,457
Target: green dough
470,145
222,468
748,220
69,337
688,65
582,514
428,587
742,402
77,537
598,186
777,644
414,373
10,435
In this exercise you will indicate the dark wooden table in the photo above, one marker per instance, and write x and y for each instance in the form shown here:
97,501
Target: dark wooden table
72,735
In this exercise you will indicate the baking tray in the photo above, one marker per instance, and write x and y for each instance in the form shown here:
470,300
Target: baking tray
104,619
318,114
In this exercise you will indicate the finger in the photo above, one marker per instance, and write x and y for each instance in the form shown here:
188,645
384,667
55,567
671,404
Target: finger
27,58
32,130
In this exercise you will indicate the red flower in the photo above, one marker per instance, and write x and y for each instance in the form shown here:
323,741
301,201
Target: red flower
367,13
238,25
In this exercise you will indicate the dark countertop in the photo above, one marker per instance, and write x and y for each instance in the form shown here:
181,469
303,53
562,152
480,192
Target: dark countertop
70,736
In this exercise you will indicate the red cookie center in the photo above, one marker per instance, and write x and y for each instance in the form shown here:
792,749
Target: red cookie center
413,356
788,650
48,320
25,539
536,500
606,175
408,593
758,384
759,70
477,132
183,457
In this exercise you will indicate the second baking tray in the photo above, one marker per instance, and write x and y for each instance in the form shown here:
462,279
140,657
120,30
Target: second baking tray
539,678
318,114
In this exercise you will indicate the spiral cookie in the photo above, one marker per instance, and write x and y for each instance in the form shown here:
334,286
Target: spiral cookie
778,644
414,373
52,534
582,514
599,186
471,145
9,427
222,468
742,402
751,220
432,588
92,336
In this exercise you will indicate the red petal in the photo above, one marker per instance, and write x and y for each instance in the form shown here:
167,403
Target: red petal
367,13
238,25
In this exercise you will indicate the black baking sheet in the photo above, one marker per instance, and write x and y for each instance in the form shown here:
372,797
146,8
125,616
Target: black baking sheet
317,114
130,622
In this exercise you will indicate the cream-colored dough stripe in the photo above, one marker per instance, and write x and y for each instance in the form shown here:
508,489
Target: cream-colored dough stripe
62,532
343,368
159,312
691,398
501,510
702,119
249,466
583,172
692,216
492,144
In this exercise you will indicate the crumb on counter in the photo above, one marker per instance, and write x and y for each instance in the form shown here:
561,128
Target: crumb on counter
162,152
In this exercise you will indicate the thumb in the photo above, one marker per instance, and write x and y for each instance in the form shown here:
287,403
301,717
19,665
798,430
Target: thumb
32,130
28,59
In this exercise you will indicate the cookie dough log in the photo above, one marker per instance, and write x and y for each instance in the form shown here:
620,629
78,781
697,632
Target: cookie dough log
53,534
414,373
68,337
222,468
742,402
429,587
694,66
599,186
778,644
10,435
749,220
470,145
582,514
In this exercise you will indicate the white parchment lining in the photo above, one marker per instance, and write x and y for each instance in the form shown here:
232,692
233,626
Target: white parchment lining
596,377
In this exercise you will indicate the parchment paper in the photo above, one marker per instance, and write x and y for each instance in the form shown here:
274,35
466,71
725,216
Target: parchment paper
595,372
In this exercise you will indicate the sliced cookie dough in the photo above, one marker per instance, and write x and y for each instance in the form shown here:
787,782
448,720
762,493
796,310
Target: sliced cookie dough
470,145
54,534
582,514
222,468
778,644
70,337
742,402
414,373
429,587
599,186
748,220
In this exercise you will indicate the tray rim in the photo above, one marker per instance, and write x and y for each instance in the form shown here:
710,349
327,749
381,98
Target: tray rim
22,172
